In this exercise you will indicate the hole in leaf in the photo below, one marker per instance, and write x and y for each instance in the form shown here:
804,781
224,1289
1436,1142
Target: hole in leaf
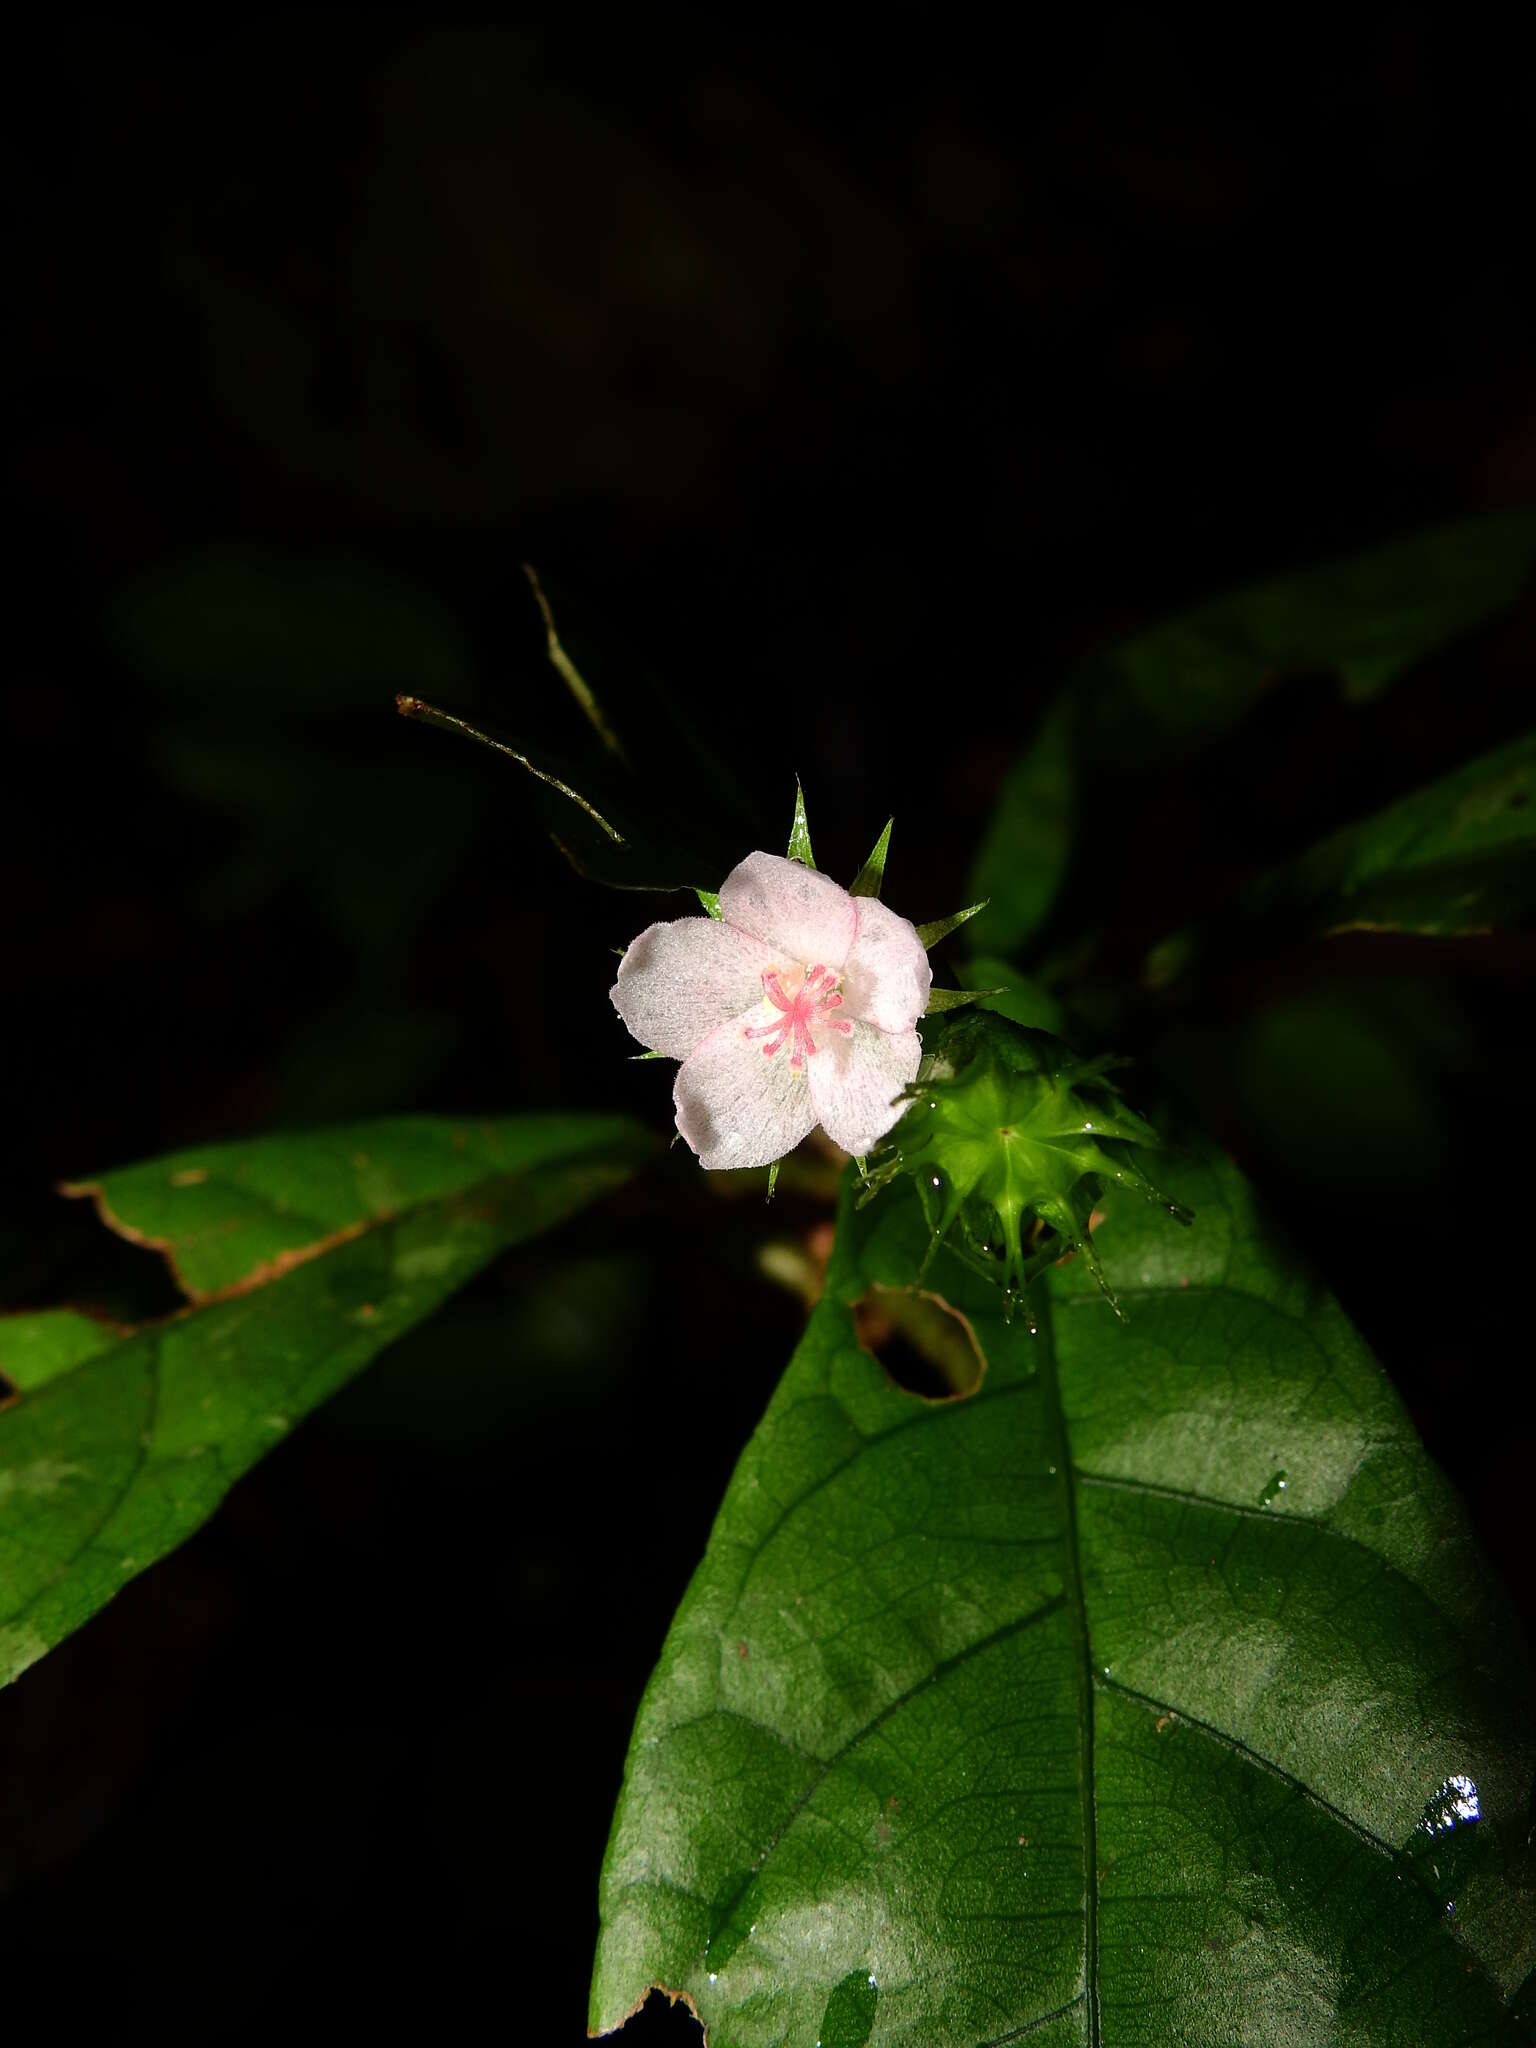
926,1347
9,1391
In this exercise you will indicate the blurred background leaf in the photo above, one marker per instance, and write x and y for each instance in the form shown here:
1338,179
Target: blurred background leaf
1130,715
304,1257
1457,858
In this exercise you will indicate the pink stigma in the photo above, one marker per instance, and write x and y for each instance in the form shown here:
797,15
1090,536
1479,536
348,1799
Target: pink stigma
814,1002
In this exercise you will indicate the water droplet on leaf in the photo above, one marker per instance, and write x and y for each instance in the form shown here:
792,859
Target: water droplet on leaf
1454,1804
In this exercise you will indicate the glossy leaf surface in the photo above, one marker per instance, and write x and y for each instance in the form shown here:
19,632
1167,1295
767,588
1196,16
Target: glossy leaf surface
1146,1695
304,1256
1184,683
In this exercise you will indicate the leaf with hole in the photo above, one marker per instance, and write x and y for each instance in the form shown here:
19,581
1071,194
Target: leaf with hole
1154,1693
302,1257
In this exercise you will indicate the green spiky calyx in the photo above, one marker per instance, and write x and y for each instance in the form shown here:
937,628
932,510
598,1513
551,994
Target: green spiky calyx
1011,1139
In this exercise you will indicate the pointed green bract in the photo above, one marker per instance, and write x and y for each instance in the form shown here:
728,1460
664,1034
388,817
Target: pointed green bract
941,999
710,899
773,1176
941,927
870,876
800,832
303,1257
1144,1695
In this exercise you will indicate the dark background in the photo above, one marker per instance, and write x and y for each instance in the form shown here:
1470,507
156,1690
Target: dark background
852,390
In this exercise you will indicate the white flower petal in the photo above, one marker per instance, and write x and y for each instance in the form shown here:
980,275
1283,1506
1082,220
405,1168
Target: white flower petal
678,981
804,916
855,1081
886,976
738,1106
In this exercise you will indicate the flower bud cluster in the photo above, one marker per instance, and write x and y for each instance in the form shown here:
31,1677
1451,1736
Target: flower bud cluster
1011,1139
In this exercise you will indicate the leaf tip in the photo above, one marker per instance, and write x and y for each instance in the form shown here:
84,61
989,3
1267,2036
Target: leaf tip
800,832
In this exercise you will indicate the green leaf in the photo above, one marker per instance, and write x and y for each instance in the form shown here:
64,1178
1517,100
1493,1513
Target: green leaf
1158,697
1368,618
39,1344
941,927
799,847
304,1257
1023,856
872,874
710,900
1139,1696
1452,860
1017,997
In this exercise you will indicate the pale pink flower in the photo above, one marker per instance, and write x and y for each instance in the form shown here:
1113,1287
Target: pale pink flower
795,1008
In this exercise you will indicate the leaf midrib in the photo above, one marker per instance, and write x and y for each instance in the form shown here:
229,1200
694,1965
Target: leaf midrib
1077,1611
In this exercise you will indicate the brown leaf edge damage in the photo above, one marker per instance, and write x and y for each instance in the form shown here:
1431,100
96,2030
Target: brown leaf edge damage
259,1276
672,1998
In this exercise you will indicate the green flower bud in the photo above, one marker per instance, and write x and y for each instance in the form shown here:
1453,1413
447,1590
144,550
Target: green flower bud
1011,1139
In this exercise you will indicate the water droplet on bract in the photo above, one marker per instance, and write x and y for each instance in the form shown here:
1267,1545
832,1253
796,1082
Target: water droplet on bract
1454,1804
713,1978
1273,1490
936,1181
872,1984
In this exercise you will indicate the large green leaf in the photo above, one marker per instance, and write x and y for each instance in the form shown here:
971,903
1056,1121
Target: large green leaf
1185,682
1146,1695
304,1257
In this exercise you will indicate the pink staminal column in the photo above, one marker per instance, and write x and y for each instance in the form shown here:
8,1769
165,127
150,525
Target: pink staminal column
814,1001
